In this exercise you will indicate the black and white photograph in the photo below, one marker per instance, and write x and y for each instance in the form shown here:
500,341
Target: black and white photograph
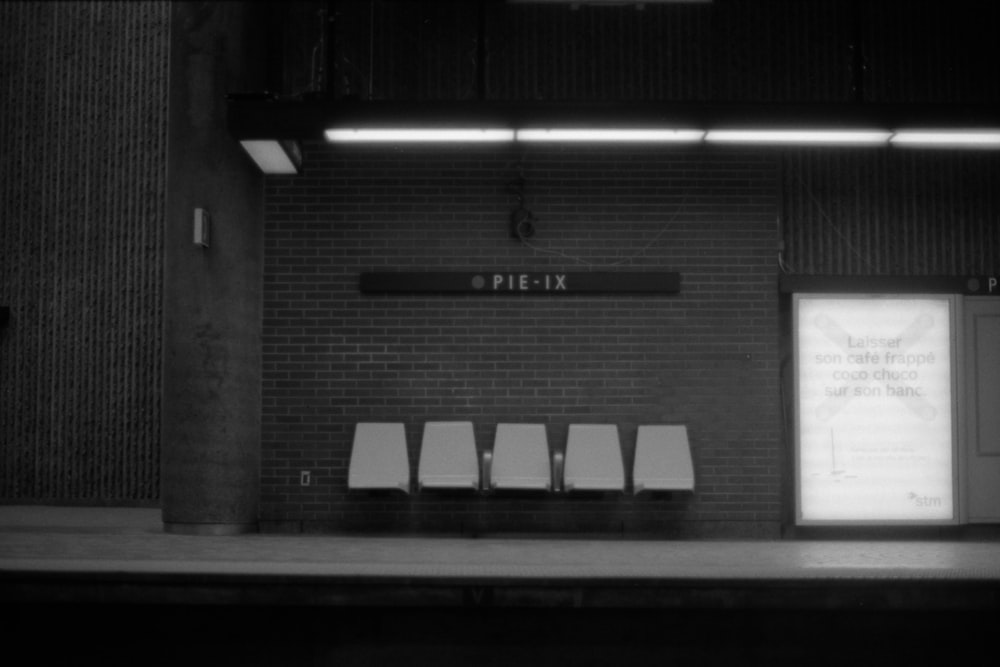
500,332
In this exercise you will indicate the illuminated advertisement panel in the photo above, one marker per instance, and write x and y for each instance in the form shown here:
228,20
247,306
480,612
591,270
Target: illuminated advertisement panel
874,409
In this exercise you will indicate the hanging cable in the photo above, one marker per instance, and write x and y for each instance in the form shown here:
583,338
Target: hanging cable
666,226
836,229
522,221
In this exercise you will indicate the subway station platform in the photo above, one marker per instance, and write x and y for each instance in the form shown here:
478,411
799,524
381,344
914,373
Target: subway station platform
108,583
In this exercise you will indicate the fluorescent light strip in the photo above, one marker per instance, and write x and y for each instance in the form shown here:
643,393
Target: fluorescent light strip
948,138
417,135
801,137
618,135
270,156
272,159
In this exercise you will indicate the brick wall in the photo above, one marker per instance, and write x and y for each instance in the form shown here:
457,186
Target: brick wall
706,357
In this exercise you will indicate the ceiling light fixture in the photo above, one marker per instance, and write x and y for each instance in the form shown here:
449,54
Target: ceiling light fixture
418,135
615,135
799,137
274,156
983,138
268,128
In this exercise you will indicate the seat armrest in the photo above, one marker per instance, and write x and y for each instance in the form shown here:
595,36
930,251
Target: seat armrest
557,471
486,472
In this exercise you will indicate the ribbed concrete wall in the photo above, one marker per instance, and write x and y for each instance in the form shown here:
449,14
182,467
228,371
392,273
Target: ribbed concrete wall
897,212
83,109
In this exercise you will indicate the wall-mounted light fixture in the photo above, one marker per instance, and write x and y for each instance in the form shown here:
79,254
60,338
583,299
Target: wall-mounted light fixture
201,227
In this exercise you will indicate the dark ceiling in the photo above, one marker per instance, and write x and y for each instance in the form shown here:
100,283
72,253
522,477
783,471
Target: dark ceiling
725,51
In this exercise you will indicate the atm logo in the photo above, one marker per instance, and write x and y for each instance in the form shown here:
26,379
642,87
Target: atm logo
925,501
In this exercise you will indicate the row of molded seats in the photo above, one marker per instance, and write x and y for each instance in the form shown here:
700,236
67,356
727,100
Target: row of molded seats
520,459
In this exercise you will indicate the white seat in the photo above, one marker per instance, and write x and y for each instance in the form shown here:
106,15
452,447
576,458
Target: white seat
378,457
448,457
662,459
594,458
521,458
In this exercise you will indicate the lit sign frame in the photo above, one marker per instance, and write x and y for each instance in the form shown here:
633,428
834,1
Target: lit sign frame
880,380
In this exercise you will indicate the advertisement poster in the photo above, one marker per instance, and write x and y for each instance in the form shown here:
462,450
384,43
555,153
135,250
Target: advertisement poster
874,409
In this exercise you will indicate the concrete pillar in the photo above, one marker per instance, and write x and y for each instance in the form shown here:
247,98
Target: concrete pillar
211,296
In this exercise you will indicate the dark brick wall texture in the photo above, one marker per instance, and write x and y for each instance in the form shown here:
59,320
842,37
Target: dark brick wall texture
706,357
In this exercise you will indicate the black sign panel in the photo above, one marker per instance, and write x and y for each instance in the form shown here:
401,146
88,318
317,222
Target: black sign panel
512,282
983,285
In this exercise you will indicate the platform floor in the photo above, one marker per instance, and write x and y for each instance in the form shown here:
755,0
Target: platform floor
324,599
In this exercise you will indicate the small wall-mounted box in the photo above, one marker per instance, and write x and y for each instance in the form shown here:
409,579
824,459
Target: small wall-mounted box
201,227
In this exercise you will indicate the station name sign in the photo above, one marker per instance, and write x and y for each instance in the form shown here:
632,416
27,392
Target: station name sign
513,282
981,285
